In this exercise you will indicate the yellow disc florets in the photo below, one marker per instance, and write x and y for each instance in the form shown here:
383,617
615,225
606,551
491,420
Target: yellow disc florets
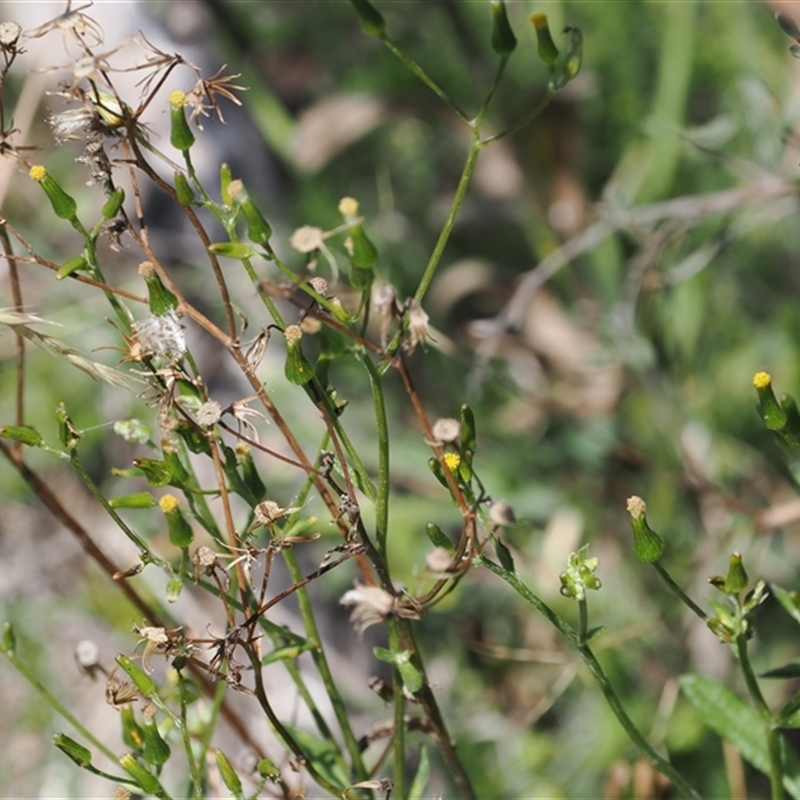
38,172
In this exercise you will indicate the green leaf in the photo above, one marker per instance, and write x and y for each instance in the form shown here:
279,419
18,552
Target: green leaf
288,652
789,600
321,756
22,433
417,789
503,555
738,724
73,265
233,249
790,670
9,640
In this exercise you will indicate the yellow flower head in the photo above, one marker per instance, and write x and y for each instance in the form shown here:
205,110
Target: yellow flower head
38,172
453,460
348,207
168,503
761,380
177,98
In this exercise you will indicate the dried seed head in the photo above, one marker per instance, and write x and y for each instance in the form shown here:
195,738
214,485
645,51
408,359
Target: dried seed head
501,513
307,239
310,325
160,336
319,284
439,560
293,335
87,656
209,413
370,605
269,511
418,329
9,33
446,430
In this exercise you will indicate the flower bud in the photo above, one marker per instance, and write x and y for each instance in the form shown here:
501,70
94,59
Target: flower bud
155,751
113,204
135,500
146,780
81,755
574,58
228,774
298,370
503,40
22,433
372,22
771,412
181,136
63,204
183,192
548,52
160,299
180,532
438,538
73,265
258,229
648,545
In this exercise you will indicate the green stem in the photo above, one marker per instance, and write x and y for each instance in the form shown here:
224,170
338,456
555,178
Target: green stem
423,76
382,497
27,673
447,229
399,699
321,663
589,658
684,598
526,120
770,729
194,771
583,621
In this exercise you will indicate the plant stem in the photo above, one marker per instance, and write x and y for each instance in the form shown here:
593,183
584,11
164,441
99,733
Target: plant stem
27,673
399,699
589,658
684,598
194,771
447,229
382,495
772,733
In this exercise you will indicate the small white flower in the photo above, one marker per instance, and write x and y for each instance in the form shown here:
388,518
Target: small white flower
418,329
308,239
209,413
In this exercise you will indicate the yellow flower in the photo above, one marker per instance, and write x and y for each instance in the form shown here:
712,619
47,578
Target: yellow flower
761,380
168,503
38,172
177,98
453,460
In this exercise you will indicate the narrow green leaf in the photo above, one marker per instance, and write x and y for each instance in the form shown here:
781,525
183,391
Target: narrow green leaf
738,724
789,600
417,789
321,756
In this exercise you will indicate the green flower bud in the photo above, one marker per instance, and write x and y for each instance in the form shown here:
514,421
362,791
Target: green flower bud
228,773
9,639
468,436
81,755
160,299
503,40
438,538
68,434
173,592
232,249
180,532
73,265
146,780
546,47
258,229
372,22
155,751
22,433
298,369
648,545
267,769
736,580
113,204
135,500
225,179
181,136
157,473
132,734
579,575
63,204
141,680
771,412
183,191
252,479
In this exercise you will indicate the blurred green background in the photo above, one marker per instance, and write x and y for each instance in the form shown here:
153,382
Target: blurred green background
628,373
